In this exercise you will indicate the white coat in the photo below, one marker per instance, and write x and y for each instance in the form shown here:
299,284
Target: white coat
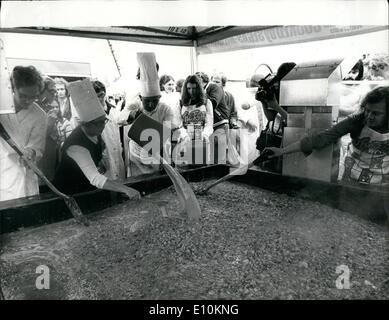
28,129
247,135
112,155
139,160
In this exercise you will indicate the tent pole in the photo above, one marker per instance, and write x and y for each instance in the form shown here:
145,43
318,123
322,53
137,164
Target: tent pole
114,57
194,65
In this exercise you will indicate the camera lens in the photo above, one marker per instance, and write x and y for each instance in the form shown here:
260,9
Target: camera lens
260,94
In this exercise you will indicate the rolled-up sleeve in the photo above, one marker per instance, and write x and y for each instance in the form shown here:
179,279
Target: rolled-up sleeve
351,124
208,128
84,160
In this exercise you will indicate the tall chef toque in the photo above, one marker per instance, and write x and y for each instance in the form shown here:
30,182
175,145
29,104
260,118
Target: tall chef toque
148,74
85,100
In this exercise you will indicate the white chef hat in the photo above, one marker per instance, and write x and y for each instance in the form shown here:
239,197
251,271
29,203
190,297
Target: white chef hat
85,100
149,81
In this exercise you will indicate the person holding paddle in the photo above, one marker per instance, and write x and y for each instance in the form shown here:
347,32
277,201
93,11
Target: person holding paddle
150,104
80,167
27,127
367,156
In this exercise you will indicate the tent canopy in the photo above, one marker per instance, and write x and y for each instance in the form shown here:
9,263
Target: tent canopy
176,36
209,39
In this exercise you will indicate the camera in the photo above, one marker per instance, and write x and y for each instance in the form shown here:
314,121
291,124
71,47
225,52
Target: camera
270,85
266,88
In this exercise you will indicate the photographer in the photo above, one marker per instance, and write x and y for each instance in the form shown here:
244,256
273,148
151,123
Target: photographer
269,91
270,106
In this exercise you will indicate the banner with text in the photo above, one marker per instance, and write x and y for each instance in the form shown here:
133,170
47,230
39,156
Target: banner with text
285,35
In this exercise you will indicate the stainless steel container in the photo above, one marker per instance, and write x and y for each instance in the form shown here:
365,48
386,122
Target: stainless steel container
311,94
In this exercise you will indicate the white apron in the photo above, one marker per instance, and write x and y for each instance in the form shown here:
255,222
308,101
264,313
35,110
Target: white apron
139,160
113,153
16,181
248,150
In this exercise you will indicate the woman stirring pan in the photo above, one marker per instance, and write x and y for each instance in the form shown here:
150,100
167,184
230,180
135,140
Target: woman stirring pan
79,169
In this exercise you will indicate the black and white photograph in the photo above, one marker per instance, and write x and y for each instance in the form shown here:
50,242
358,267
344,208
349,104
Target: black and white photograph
207,151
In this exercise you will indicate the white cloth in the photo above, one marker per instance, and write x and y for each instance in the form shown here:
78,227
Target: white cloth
249,119
112,156
120,117
117,115
172,99
28,129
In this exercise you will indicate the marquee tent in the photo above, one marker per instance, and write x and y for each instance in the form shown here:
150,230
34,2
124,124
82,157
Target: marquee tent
210,39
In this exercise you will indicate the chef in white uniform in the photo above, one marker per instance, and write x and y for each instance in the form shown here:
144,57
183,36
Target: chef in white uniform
149,103
27,127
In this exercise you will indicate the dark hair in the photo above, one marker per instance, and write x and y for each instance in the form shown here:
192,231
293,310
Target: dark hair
358,67
164,79
224,79
138,72
377,95
203,76
98,86
47,81
179,84
26,77
201,99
